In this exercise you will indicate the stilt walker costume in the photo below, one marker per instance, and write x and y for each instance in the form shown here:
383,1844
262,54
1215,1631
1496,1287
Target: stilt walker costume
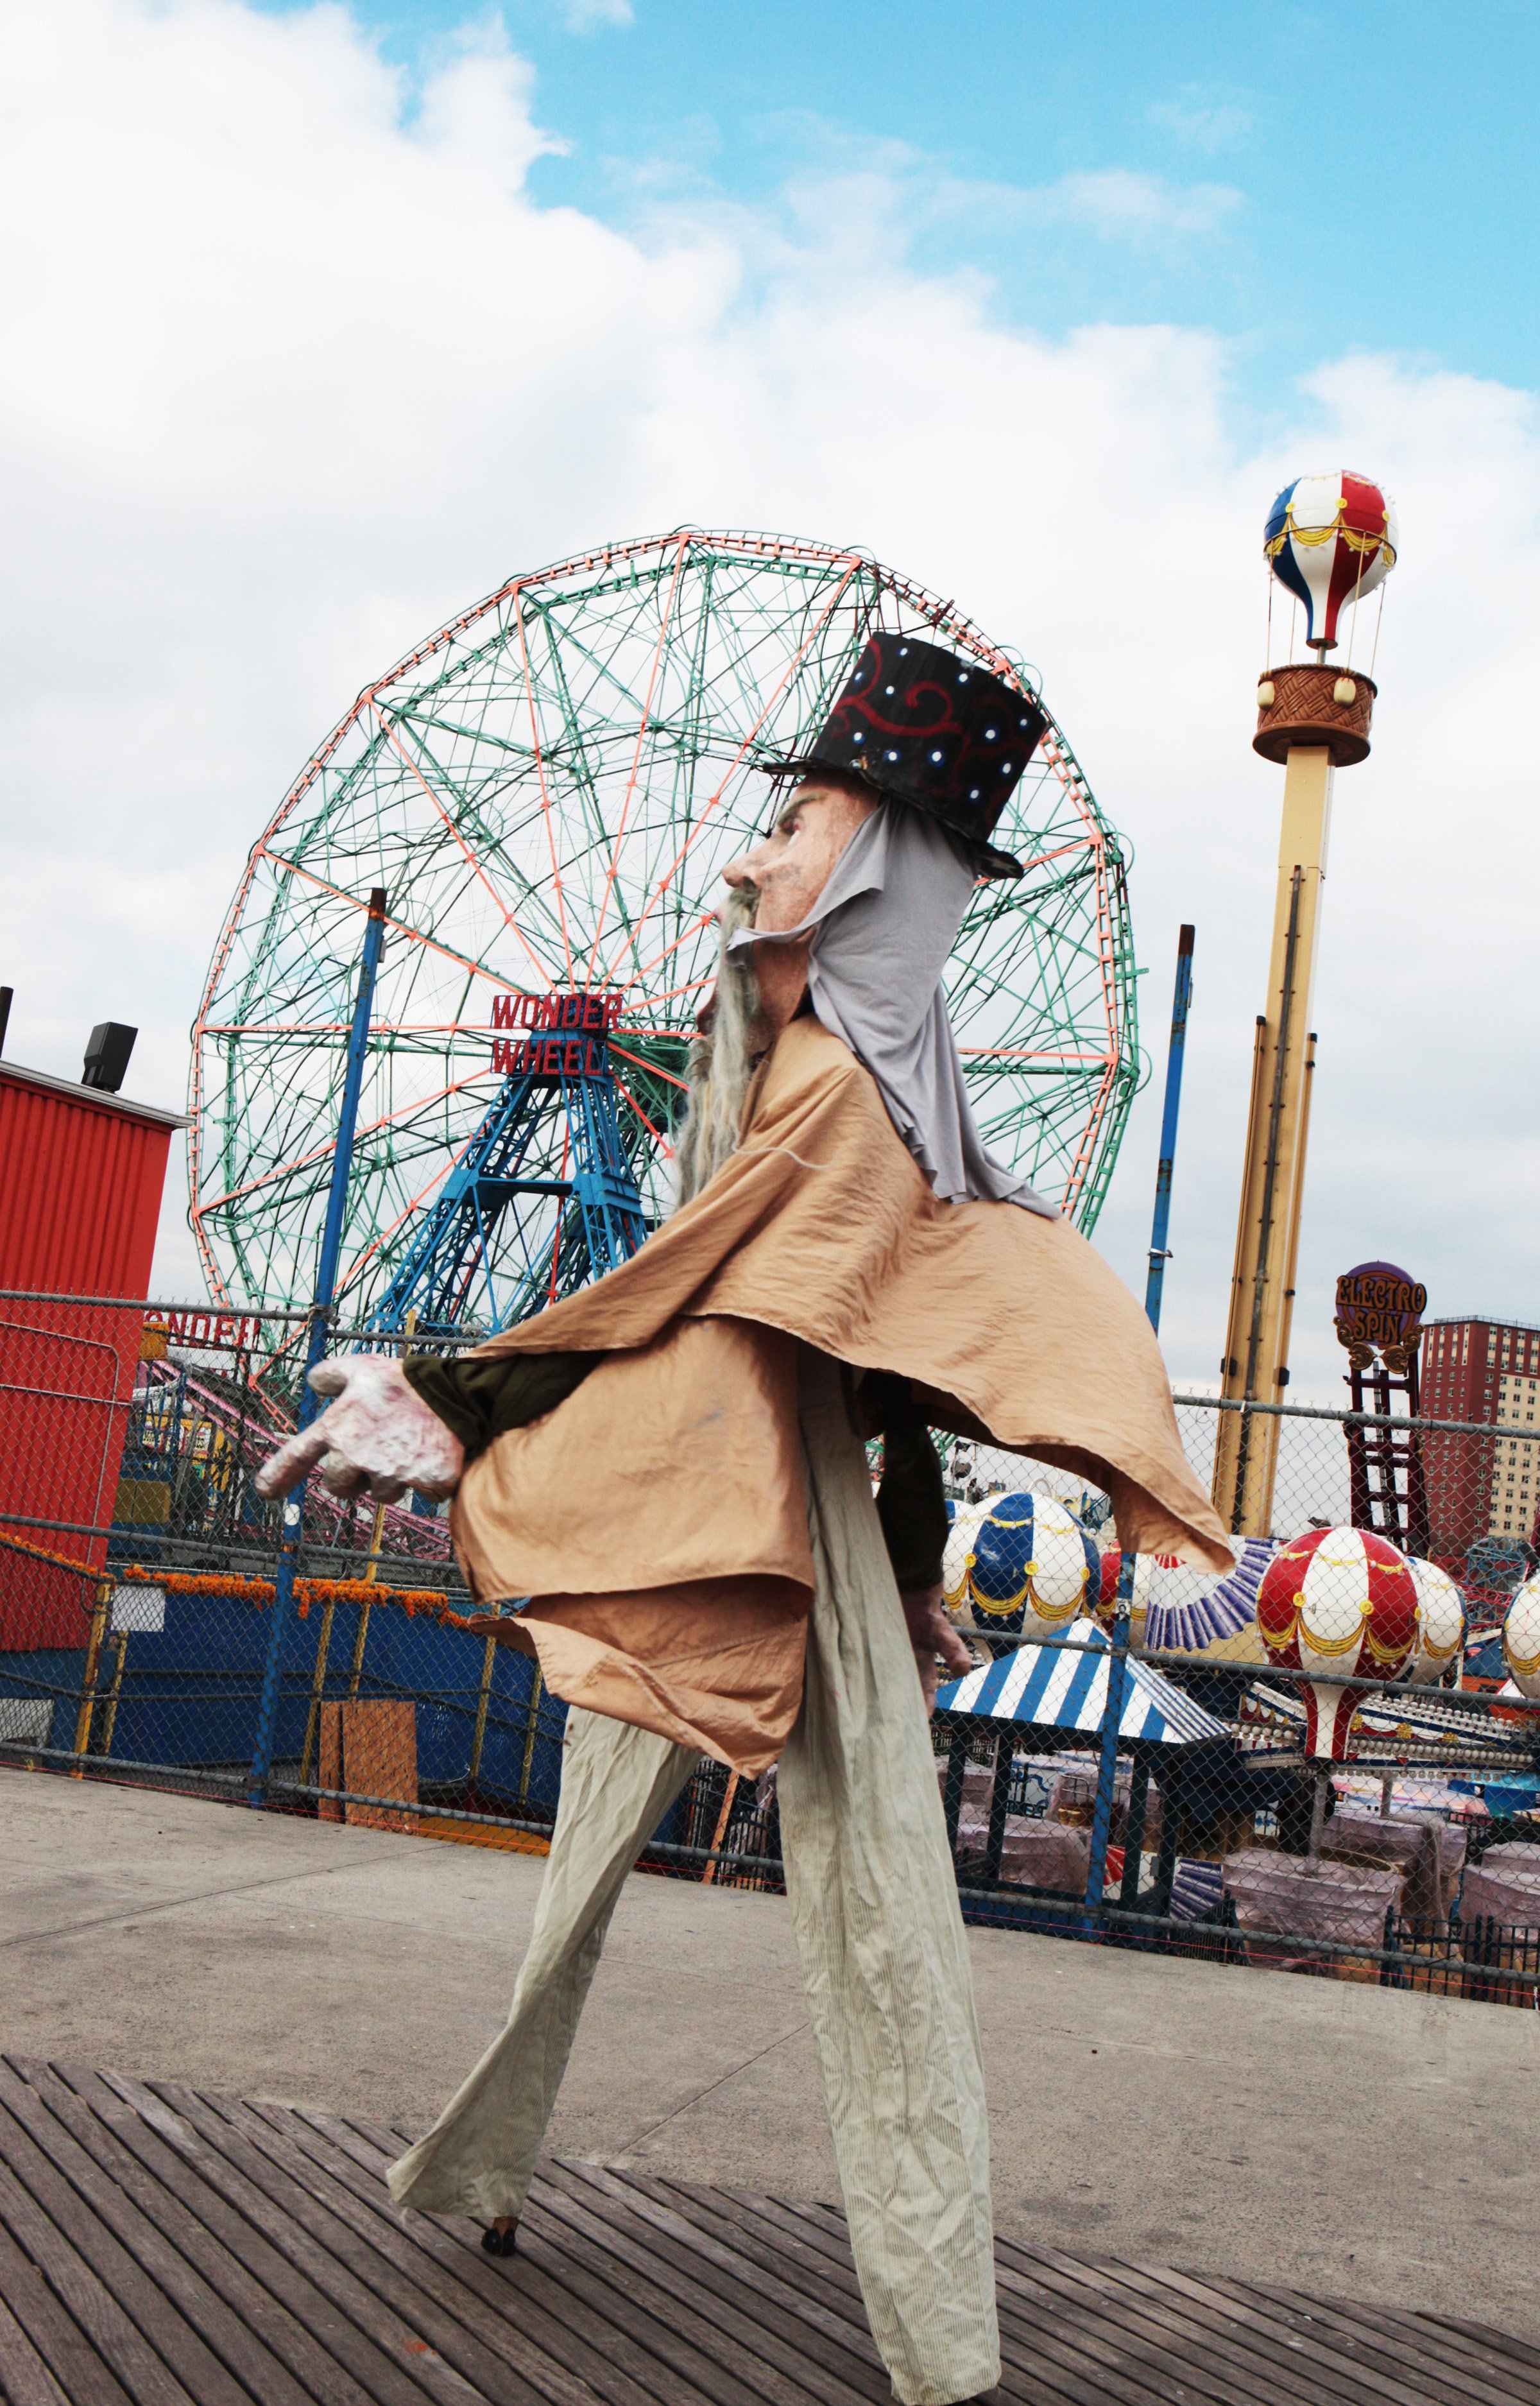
859,1263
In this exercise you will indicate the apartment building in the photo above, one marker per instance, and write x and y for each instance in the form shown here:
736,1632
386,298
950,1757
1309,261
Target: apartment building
1485,1370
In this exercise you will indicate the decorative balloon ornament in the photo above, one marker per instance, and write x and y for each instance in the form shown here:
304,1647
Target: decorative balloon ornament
1030,1567
1440,1622
1521,1638
1331,539
957,1561
1338,1600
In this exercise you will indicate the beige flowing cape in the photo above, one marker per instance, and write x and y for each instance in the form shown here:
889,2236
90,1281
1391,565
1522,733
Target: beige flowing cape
657,1520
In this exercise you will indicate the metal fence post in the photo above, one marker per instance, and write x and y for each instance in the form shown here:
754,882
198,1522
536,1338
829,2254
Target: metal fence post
320,1312
1107,1774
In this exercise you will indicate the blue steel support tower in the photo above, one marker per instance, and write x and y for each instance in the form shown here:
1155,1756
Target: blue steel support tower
467,1266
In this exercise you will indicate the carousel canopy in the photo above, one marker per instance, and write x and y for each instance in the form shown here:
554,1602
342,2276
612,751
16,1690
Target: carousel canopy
1060,1686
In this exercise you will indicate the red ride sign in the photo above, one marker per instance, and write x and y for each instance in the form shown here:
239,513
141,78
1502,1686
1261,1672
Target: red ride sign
567,1038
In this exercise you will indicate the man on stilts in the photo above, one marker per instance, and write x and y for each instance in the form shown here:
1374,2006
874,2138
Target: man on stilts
847,1261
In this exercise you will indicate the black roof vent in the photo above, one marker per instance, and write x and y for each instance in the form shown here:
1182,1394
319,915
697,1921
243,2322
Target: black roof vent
108,1057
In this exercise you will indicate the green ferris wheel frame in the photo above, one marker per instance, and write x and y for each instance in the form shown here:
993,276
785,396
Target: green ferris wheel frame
548,788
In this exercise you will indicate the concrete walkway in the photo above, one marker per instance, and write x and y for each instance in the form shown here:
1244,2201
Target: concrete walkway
1308,2133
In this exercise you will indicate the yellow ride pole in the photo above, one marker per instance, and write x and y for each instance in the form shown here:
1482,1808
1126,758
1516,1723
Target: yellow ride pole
1314,721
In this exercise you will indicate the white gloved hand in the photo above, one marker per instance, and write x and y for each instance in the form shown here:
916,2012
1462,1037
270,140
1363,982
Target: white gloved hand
378,1437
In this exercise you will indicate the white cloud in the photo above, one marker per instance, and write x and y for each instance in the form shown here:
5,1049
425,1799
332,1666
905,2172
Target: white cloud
1118,204
295,367
587,16
1202,124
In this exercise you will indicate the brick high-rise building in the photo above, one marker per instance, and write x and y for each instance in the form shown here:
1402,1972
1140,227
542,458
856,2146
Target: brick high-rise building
1486,1370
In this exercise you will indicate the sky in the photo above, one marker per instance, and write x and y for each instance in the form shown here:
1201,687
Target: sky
323,320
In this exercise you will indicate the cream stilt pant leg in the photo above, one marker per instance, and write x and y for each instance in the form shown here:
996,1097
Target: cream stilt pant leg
617,1785
874,1905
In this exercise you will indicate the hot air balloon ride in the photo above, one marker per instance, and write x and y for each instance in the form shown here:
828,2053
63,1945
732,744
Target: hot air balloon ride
1440,1621
957,1561
1338,1600
1521,1638
1029,1566
1331,539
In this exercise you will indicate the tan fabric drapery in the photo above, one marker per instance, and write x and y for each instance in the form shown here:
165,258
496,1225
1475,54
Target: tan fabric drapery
657,1518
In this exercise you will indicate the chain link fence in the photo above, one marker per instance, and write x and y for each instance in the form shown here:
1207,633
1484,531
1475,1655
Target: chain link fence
1130,1770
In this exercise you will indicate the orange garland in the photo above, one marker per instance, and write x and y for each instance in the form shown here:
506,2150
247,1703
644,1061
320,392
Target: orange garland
239,1586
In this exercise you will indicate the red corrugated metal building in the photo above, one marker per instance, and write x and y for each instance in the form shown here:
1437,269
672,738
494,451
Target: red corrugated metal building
82,1174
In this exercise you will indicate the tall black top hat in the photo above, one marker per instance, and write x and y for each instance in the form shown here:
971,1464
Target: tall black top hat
935,730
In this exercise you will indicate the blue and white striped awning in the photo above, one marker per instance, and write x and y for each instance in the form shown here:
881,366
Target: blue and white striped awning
1065,1686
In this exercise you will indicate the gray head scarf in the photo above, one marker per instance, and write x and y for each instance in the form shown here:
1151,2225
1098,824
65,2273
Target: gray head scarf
882,930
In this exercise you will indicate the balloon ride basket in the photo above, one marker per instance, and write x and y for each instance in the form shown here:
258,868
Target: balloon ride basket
1307,704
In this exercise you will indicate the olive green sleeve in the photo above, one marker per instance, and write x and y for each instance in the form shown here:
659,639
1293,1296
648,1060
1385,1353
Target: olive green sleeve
482,1394
911,1500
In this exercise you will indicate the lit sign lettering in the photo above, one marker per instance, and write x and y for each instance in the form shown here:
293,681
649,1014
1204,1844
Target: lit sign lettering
1379,1310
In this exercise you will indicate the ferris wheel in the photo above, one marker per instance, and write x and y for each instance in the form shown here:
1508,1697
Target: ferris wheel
548,790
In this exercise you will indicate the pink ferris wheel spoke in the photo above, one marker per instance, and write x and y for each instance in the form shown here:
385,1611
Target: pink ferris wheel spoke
510,916
715,800
547,810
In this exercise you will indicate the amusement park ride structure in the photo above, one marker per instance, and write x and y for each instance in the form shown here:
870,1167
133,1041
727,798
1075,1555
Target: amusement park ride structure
548,790
1329,541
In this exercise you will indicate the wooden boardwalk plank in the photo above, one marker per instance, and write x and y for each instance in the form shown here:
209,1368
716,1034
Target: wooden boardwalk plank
315,2290
258,2285
187,2325
1276,2333
49,2329
1087,2362
399,2354
443,2255
828,2358
445,2307
163,2248
166,2240
1254,2358
627,2352
530,2289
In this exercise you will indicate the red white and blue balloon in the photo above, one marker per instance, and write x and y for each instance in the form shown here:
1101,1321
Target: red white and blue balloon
1331,539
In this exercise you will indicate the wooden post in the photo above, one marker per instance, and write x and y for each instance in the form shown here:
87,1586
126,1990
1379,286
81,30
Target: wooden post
482,1700
722,1819
317,1686
531,1731
361,1636
115,1691
89,1677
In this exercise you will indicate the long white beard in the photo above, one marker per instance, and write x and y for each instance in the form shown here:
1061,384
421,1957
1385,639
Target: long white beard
721,1065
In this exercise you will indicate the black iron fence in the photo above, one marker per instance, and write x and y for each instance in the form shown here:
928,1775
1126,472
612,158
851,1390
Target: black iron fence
1127,1764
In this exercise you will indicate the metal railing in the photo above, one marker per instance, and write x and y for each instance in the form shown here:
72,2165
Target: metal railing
138,1630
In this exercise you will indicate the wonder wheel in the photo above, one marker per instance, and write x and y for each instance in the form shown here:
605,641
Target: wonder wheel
548,789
